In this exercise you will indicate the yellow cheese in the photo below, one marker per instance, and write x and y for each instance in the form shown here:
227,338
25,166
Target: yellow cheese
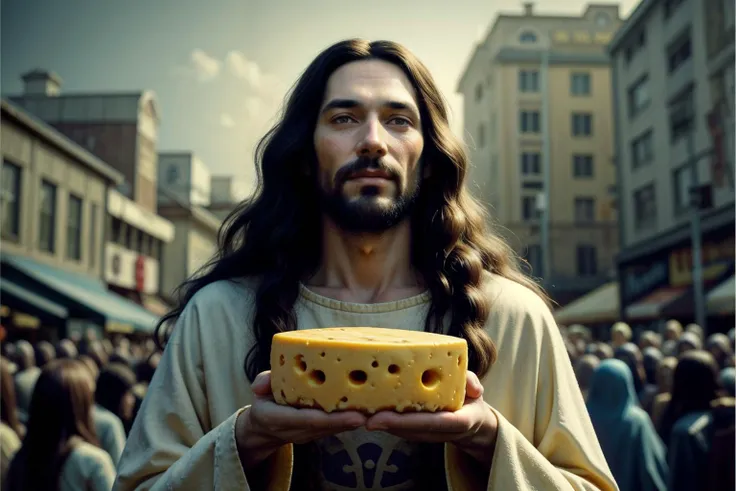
369,369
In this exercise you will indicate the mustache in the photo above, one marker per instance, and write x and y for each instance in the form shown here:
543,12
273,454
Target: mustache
365,163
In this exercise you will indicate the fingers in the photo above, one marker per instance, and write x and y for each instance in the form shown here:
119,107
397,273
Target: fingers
277,418
261,386
473,388
443,422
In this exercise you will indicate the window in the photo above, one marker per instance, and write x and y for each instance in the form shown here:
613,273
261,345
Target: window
642,151
47,218
580,84
639,96
528,208
528,81
582,166
530,164
92,235
582,124
637,45
584,210
678,53
478,92
587,260
10,201
74,228
116,227
682,118
670,6
529,121
645,207
682,182
527,37
602,19
533,185
534,257
481,135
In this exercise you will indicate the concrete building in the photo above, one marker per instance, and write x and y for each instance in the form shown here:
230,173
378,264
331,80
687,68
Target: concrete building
119,128
227,193
524,60
53,207
184,192
672,64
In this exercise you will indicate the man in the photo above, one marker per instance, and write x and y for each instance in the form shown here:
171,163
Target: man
362,219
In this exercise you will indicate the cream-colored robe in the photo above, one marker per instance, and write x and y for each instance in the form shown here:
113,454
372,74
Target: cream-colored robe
183,438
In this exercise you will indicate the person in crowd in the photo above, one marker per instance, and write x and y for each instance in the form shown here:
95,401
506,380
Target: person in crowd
60,449
584,369
114,392
620,334
665,374
629,353
689,341
720,347
25,377
602,351
362,219
672,330
91,364
637,457
727,380
651,359
696,330
45,352
687,421
67,349
649,339
11,429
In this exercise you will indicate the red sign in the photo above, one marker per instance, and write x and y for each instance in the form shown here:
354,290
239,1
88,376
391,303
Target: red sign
140,273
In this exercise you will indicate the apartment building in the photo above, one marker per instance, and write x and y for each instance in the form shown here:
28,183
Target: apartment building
226,193
53,205
184,194
539,86
672,64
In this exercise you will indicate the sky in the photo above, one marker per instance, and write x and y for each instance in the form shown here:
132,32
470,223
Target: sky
220,68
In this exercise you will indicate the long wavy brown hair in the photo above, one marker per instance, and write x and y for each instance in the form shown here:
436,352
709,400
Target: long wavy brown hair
275,235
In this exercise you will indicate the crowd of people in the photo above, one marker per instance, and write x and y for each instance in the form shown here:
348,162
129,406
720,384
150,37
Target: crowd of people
66,410
662,404
662,407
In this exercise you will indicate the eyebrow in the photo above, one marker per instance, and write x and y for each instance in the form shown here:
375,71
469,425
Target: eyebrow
352,103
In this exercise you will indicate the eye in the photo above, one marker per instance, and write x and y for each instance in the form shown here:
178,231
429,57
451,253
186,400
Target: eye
400,121
342,119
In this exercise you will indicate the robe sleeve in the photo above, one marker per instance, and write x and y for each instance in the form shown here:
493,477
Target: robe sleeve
565,454
172,445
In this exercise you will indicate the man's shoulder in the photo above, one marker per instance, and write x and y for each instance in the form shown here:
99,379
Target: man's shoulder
509,297
225,293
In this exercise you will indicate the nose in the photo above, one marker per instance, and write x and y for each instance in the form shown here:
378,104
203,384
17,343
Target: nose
372,143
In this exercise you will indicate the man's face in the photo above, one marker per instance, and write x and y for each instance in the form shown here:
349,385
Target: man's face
368,141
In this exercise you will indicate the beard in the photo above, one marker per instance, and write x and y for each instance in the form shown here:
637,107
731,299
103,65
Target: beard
368,213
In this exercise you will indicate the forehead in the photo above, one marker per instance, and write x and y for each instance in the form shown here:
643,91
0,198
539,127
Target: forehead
370,79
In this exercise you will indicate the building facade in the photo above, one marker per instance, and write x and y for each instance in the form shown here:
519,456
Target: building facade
667,80
540,84
227,193
54,200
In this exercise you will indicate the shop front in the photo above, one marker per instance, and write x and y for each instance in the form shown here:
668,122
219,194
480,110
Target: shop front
659,286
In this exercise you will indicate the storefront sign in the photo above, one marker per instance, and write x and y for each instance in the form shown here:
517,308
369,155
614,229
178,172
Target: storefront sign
718,257
642,279
128,269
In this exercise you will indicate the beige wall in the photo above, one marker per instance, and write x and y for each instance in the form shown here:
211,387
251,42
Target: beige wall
38,161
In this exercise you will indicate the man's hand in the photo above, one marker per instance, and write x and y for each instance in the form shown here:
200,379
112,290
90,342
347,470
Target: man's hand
473,428
265,426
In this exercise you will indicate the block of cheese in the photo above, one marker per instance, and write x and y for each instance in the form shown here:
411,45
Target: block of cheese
369,369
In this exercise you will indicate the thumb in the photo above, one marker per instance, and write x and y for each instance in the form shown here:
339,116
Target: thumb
473,387
261,386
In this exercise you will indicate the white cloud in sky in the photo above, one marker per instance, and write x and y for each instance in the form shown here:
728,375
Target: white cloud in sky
205,66
226,121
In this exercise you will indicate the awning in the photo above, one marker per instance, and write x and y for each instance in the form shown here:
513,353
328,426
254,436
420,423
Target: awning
154,304
721,299
600,305
652,306
82,295
23,299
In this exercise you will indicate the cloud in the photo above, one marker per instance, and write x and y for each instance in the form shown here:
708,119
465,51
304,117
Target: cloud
205,66
226,121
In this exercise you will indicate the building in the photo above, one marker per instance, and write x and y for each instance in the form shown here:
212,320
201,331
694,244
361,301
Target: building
184,193
672,64
227,193
53,208
119,128
526,62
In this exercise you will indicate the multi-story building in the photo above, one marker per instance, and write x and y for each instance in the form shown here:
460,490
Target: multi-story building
184,193
536,72
670,64
227,193
53,201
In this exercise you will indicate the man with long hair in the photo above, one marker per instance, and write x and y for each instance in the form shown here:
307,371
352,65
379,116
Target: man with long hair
361,218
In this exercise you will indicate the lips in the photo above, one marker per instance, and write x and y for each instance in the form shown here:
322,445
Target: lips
370,175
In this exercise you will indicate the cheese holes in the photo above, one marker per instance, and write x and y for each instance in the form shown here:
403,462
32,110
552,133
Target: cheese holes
357,377
317,377
430,378
374,364
459,360
299,364
343,399
393,369
282,360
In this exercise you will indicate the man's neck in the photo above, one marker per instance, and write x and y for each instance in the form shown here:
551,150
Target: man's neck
366,268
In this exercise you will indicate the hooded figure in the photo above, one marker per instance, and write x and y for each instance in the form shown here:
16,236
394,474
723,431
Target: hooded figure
627,436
